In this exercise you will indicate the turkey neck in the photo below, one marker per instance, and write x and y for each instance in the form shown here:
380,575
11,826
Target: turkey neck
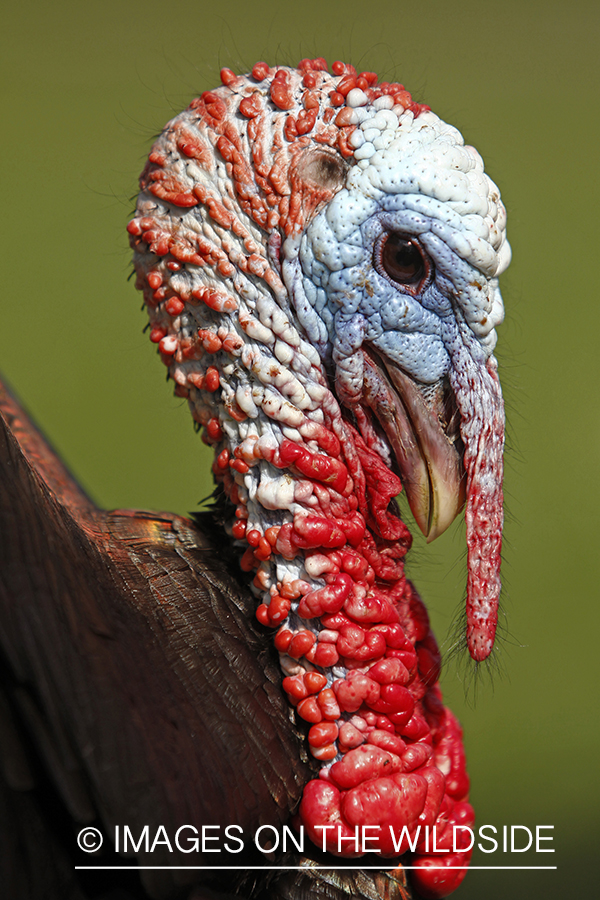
259,287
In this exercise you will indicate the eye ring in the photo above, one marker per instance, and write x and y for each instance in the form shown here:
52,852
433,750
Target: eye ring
402,261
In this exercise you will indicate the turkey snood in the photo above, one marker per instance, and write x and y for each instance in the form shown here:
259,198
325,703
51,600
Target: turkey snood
319,258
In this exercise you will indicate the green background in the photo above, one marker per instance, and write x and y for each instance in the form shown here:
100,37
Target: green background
85,87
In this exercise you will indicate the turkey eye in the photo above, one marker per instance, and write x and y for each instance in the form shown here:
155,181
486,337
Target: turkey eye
403,261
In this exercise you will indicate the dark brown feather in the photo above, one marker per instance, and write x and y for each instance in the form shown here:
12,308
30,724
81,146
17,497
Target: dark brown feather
137,673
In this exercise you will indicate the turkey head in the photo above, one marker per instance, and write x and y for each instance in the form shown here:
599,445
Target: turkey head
319,258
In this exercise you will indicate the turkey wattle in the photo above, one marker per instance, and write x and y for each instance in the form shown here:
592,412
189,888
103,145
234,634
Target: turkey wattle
319,257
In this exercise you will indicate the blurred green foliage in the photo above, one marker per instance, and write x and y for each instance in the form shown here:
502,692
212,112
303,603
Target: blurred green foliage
85,88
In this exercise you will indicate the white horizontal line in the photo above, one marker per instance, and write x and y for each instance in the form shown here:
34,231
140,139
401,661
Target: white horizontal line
316,868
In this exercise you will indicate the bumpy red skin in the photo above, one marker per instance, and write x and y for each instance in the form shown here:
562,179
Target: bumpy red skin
392,753
404,765
484,447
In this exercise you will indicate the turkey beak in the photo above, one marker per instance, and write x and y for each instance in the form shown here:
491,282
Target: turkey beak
423,431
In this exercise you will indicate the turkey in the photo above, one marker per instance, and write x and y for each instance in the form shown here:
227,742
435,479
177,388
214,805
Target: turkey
319,257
